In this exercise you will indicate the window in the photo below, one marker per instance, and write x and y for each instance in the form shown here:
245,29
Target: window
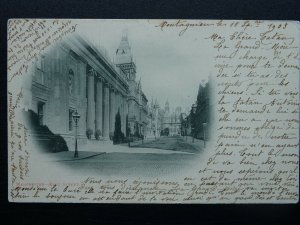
71,82
40,112
40,70
128,74
71,111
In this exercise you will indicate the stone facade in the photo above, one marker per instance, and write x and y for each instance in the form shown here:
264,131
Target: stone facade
171,120
76,76
155,119
136,100
164,120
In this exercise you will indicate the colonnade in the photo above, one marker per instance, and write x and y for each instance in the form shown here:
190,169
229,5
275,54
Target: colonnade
104,101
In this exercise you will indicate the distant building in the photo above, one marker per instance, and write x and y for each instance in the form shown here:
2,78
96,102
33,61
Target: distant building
171,123
164,121
155,119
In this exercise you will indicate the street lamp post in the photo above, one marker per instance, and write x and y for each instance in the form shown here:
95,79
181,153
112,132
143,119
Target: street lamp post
143,133
194,107
129,136
183,126
204,130
76,117
186,126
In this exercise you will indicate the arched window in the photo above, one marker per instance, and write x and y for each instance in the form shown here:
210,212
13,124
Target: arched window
71,82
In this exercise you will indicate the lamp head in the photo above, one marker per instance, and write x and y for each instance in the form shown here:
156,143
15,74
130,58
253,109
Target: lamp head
76,116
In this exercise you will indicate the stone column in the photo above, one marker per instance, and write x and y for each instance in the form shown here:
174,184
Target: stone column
91,101
120,104
119,107
125,111
112,110
122,114
118,101
106,111
99,108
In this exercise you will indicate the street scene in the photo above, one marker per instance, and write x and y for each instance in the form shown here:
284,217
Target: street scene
163,156
88,108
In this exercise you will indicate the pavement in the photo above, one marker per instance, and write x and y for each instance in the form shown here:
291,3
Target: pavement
133,165
69,155
164,156
161,145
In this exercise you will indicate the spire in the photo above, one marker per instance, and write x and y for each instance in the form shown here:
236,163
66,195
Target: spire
124,59
123,53
140,92
156,103
125,35
167,107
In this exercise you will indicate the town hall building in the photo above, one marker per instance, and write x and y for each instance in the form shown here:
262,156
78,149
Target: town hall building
77,76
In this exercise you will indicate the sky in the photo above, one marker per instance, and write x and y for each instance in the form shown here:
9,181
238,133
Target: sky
170,66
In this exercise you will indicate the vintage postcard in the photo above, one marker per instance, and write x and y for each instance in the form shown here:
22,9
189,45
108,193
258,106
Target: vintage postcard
153,111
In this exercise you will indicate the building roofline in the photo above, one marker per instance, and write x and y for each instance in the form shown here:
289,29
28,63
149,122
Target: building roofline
100,58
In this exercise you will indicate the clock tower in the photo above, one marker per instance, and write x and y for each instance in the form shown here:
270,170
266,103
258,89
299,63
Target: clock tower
124,59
